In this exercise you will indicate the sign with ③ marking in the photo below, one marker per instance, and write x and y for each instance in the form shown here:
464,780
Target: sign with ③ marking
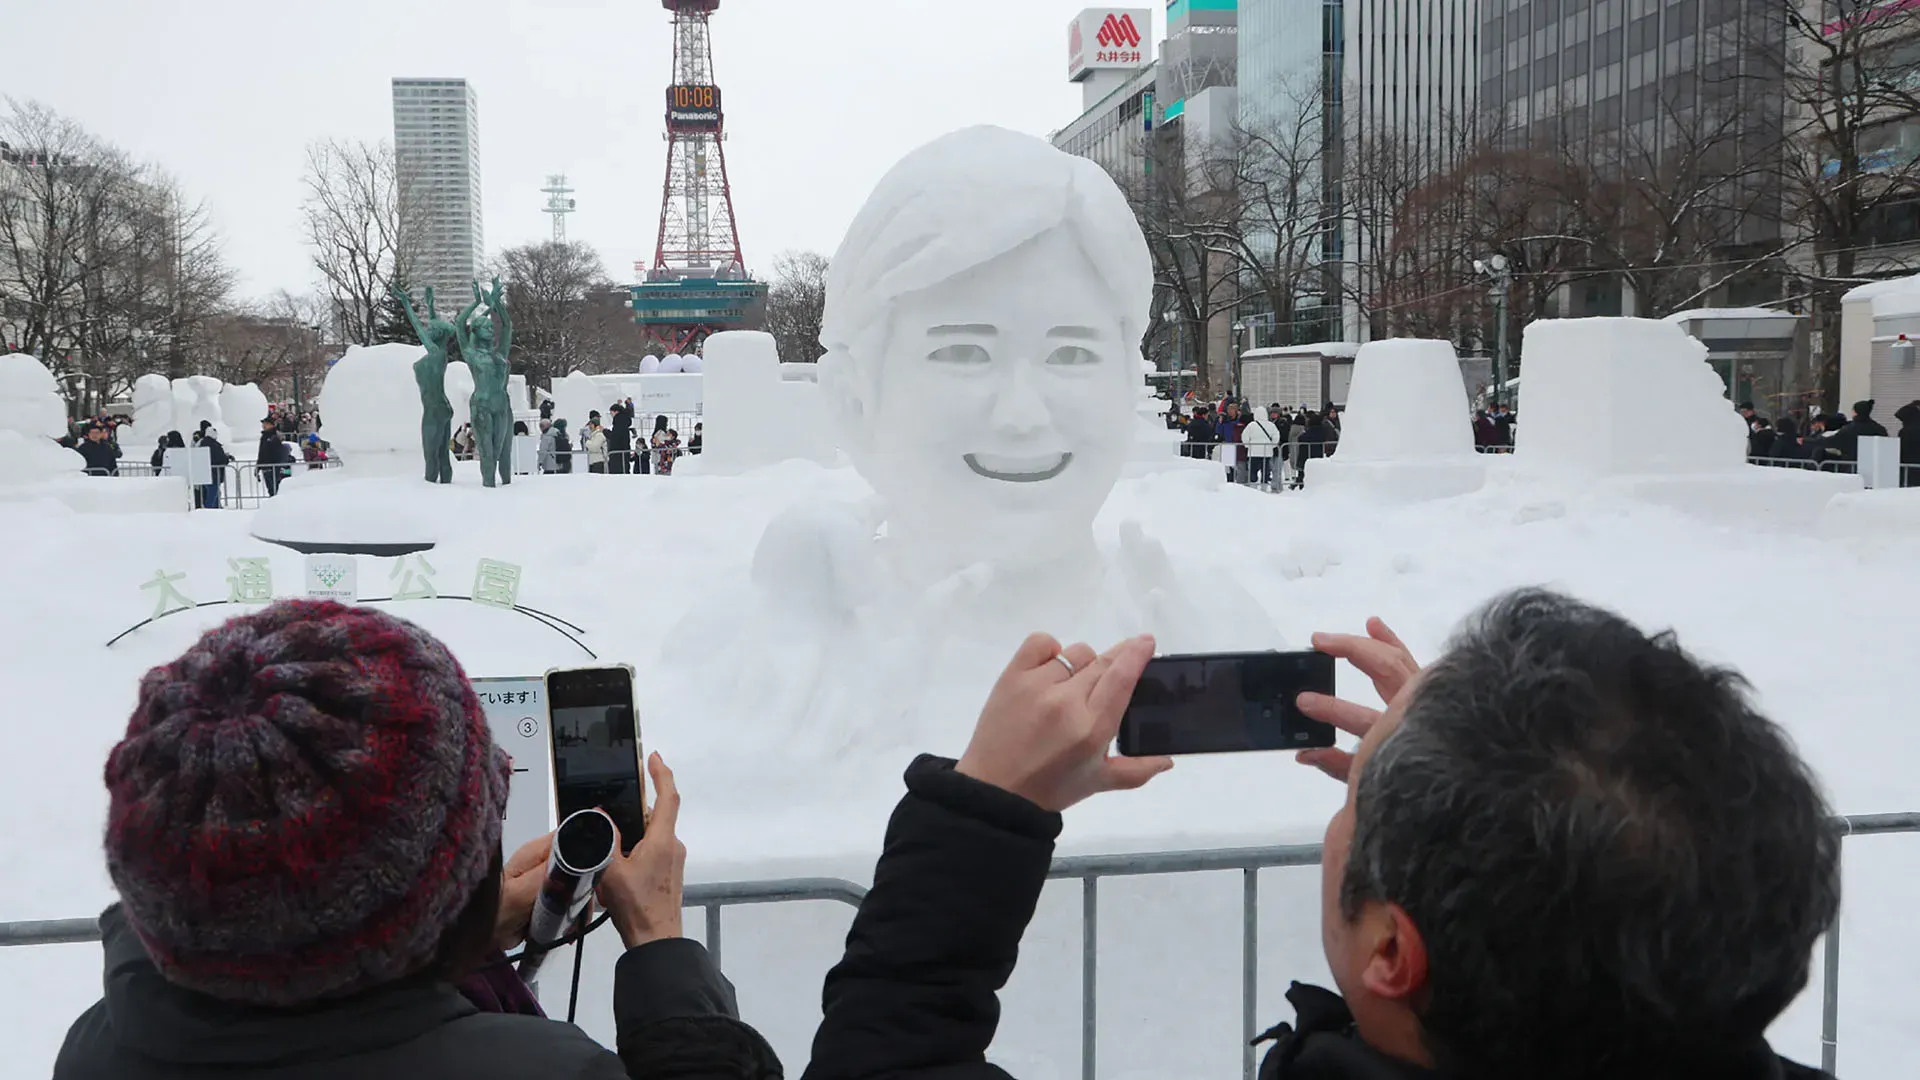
517,716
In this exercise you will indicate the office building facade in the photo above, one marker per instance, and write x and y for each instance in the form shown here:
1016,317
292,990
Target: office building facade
436,139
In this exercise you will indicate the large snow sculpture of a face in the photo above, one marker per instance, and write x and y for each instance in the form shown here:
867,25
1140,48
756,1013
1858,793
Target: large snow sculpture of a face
983,322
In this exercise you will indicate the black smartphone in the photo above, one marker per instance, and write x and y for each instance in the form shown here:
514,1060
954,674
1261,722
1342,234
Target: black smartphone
1226,703
595,732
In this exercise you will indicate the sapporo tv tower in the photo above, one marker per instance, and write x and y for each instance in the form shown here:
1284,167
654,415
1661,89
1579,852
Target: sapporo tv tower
698,283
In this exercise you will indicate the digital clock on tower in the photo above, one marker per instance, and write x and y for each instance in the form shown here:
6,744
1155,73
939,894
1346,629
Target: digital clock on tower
693,108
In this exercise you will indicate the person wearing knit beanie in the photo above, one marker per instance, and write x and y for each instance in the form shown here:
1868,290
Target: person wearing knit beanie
304,825
309,735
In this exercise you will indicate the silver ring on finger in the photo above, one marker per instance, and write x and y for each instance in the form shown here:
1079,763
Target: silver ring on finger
1066,663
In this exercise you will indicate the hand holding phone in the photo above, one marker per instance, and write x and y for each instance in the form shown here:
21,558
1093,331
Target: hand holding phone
1045,729
642,891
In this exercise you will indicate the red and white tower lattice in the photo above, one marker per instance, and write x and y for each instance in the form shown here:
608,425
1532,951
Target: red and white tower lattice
697,237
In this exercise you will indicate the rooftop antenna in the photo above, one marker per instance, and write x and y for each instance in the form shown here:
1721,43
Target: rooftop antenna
559,205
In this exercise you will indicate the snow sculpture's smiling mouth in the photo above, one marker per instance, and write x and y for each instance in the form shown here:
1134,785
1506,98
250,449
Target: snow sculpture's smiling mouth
1019,470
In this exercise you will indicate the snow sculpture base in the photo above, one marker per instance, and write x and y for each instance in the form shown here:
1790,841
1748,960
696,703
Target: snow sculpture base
337,512
108,495
1398,481
1407,436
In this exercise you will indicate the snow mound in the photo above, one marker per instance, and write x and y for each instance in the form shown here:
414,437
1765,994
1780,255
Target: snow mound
459,386
242,407
1407,403
370,401
30,401
1589,385
1407,435
31,459
577,397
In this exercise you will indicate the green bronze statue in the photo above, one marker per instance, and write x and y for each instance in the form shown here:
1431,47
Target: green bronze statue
430,371
491,408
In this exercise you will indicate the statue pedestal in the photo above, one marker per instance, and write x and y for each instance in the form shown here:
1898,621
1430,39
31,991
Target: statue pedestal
349,512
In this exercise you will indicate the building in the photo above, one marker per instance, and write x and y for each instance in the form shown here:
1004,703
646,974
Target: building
1110,54
1292,85
1635,79
436,140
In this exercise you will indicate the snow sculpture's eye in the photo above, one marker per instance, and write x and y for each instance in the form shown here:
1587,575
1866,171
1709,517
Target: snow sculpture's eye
1073,356
961,355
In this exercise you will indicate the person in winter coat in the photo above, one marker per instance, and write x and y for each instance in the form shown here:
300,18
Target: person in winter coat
1227,431
698,439
217,457
562,447
1475,927
1909,417
1260,439
1201,434
660,462
594,442
1317,441
311,882
1845,443
1787,444
620,438
273,456
103,457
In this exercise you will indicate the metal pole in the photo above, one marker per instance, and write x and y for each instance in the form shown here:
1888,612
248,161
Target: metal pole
1089,948
1501,281
1249,965
1830,1004
713,933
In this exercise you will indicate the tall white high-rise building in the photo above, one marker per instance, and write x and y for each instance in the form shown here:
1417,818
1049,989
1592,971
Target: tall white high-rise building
436,141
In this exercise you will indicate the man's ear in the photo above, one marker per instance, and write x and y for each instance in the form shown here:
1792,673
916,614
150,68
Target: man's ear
1397,965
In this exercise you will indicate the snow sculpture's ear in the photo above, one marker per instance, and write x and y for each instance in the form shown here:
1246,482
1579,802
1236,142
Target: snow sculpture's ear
844,395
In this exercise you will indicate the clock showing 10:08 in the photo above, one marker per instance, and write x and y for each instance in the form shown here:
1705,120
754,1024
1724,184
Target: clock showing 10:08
693,108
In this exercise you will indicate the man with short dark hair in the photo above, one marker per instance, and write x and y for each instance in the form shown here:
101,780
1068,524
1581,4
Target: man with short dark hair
103,457
1569,850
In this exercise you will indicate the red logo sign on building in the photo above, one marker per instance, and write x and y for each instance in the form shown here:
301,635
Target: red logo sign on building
1119,30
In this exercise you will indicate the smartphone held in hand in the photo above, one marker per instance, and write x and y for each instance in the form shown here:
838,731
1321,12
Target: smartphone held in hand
597,759
1224,703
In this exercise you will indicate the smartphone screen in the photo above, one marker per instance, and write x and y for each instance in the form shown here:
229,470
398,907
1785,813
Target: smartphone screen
1225,703
596,747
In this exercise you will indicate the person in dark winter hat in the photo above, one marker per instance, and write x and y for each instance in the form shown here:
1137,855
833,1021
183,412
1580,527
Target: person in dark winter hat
304,827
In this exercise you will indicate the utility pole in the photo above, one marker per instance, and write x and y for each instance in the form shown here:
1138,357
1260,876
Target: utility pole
1500,271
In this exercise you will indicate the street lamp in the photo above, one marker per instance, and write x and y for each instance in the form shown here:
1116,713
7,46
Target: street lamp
1239,332
1496,268
1172,319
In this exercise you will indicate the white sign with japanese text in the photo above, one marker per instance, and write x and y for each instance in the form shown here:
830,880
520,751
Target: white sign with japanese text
1108,38
333,577
517,716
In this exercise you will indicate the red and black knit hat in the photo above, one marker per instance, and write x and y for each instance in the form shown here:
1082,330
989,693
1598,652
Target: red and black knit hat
303,805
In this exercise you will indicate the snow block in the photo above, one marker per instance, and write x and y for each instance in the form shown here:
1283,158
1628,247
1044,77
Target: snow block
1590,385
371,405
1407,434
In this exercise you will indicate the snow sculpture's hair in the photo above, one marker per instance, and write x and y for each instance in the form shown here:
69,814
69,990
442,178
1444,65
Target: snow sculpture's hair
959,203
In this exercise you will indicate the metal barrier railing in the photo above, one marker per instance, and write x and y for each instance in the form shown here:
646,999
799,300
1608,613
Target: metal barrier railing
1088,870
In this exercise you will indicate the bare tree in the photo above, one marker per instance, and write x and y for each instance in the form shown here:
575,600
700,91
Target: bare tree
106,269
275,344
1190,216
557,328
1277,174
796,302
353,217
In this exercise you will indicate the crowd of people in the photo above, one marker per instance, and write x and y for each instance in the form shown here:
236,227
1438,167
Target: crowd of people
1567,849
1269,451
1803,439
612,446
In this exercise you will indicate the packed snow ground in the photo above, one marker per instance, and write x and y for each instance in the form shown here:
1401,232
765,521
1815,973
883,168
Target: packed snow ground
1823,631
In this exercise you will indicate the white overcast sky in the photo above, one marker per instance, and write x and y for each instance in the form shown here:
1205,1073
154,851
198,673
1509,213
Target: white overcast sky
821,97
